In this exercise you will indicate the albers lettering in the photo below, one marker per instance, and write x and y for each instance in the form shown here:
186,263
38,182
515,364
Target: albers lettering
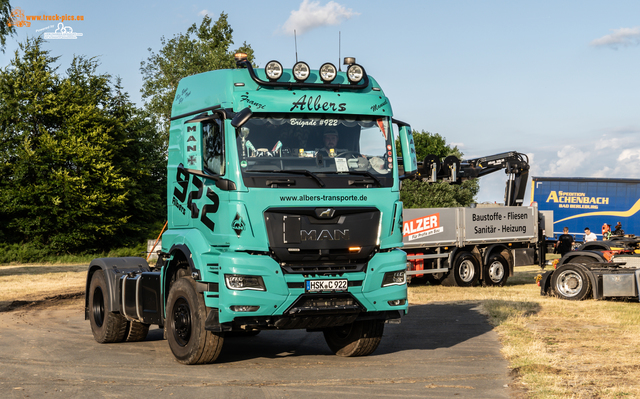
324,235
316,104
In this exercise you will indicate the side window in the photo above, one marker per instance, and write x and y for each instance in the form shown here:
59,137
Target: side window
213,148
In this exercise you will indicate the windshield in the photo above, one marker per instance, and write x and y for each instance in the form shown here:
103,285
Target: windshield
320,148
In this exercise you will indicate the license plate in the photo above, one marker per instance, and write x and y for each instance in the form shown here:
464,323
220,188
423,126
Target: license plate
326,285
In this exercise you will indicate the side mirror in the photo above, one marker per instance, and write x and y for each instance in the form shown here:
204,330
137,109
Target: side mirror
241,117
409,160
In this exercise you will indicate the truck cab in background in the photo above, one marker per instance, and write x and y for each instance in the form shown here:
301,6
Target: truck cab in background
272,223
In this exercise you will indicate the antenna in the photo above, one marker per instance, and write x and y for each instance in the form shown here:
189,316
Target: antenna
339,50
295,40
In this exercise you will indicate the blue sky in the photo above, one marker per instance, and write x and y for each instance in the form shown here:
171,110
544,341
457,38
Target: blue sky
557,80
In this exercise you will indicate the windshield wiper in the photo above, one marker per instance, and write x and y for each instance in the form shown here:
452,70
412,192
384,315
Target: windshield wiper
293,172
362,173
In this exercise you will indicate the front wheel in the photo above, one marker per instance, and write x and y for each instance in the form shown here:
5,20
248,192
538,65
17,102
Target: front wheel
186,315
359,338
495,272
465,271
571,282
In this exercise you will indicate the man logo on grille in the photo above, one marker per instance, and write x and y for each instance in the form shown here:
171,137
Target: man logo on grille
325,213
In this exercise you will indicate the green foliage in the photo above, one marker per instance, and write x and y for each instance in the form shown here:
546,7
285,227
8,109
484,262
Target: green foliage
420,194
36,253
5,29
80,166
201,49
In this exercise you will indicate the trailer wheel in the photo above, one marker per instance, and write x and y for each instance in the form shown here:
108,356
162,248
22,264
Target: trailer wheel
359,338
106,326
495,271
571,282
136,331
186,315
465,271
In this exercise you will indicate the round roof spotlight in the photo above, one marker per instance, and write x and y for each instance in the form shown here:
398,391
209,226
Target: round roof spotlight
328,72
273,70
355,73
301,71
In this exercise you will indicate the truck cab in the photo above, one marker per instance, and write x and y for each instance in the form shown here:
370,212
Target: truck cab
283,213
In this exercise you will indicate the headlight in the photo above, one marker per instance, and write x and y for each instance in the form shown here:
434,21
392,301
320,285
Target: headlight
273,70
240,282
328,72
394,278
244,308
355,73
301,71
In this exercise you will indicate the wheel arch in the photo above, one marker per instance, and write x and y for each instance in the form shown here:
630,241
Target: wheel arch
595,255
113,269
500,249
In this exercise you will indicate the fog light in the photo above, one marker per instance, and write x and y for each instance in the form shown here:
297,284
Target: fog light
328,72
355,73
394,278
240,282
301,71
244,308
273,70
397,302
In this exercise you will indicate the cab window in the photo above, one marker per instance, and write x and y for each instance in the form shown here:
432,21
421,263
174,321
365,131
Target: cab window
213,149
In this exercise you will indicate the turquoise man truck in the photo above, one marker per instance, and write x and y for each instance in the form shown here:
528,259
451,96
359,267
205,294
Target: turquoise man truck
283,213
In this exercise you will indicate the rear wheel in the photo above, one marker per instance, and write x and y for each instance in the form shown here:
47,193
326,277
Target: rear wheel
359,338
136,331
465,271
186,315
495,271
106,326
571,282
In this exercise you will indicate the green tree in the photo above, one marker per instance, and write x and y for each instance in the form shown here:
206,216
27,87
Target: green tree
201,49
80,167
420,194
5,29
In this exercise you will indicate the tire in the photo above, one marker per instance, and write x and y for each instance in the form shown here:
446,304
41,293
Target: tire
359,338
571,282
465,271
107,327
136,331
495,272
186,315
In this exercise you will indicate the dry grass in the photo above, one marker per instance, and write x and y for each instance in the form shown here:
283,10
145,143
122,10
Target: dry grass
34,283
557,348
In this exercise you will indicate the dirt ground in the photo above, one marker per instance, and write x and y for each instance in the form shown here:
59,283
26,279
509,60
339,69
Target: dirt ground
439,351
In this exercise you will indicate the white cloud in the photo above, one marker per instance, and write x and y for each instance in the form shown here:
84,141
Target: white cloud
203,13
629,154
569,161
609,142
619,37
312,15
